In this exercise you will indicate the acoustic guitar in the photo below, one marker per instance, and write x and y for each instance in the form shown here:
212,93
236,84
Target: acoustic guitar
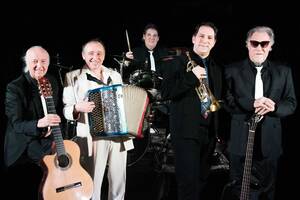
64,177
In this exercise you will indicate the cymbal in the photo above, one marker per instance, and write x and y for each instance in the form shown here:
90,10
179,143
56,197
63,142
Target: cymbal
63,67
177,50
123,57
167,58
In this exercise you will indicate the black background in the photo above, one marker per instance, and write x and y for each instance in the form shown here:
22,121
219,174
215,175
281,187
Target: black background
62,29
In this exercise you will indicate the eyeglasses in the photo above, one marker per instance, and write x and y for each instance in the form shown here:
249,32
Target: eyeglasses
263,44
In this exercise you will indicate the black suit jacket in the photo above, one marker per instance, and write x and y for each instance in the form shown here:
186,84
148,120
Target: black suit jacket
178,85
23,108
278,86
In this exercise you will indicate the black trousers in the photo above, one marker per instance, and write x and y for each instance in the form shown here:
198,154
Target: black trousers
191,166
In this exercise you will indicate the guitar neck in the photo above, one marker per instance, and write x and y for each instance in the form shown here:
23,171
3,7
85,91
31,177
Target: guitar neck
247,167
245,190
56,131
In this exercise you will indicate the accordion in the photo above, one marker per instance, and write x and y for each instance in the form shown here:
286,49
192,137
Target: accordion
119,111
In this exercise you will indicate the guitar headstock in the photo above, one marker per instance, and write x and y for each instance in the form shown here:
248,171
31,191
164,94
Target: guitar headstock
254,121
45,87
256,118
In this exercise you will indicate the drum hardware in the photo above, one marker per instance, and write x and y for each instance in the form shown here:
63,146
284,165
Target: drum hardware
123,56
58,64
164,156
153,141
121,63
149,80
160,139
177,51
141,146
61,67
155,93
121,60
219,160
141,78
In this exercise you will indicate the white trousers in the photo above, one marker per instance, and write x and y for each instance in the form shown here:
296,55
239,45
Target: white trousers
111,154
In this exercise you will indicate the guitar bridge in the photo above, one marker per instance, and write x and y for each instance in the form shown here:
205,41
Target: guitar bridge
67,187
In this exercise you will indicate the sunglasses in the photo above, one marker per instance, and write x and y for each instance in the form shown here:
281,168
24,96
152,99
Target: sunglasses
263,44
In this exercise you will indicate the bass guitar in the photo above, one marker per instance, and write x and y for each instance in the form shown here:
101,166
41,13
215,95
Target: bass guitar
64,177
245,190
248,180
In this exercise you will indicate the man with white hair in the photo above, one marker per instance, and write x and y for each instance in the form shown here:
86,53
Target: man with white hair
28,138
258,86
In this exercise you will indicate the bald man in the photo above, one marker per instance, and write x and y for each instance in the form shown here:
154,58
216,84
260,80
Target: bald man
27,137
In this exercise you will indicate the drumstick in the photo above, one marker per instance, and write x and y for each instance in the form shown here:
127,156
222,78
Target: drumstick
127,38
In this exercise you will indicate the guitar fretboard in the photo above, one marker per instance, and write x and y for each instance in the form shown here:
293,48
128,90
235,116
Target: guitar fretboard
245,190
56,131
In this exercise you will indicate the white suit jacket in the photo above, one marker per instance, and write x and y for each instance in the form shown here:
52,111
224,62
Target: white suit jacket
76,90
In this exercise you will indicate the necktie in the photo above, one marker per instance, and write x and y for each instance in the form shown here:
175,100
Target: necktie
259,89
205,104
206,71
152,62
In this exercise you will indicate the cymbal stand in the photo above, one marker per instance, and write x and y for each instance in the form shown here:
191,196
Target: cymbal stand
61,67
160,143
121,63
59,70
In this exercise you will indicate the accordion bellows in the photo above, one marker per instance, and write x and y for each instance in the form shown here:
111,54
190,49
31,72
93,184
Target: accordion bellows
119,111
135,101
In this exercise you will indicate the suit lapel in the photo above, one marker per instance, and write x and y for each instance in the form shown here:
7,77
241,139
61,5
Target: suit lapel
247,78
213,81
267,78
35,95
83,85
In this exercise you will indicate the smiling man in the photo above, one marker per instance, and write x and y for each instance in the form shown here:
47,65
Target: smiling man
28,137
27,120
106,153
193,125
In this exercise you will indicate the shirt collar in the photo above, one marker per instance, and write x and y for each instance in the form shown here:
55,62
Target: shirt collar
105,73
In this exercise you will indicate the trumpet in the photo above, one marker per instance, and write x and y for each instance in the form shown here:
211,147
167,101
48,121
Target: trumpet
203,91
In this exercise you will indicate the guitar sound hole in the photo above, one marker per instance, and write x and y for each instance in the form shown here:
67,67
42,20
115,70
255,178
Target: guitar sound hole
63,161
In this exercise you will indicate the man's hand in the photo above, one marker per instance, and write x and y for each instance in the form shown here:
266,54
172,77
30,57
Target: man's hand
49,120
264,105
129,55
199,72
84,106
